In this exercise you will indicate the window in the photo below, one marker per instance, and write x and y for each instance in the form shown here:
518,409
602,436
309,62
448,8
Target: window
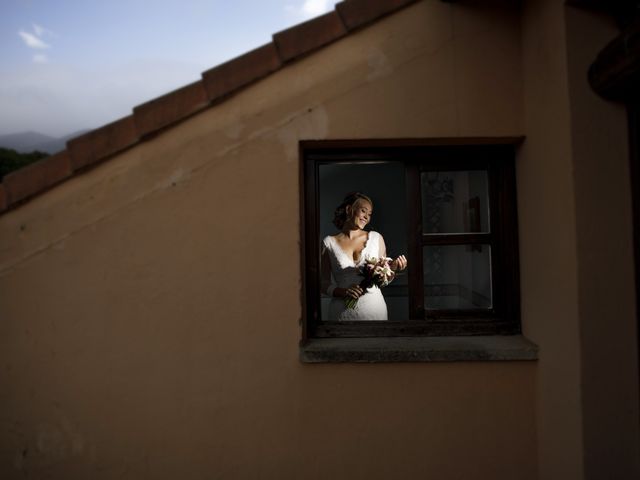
450,208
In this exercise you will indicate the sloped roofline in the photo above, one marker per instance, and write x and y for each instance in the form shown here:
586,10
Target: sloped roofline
216,85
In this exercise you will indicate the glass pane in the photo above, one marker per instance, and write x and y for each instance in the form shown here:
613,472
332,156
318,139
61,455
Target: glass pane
455,202
385,184
457,277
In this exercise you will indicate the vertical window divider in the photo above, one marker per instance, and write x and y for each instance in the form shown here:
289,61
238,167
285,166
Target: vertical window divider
414,245
495,215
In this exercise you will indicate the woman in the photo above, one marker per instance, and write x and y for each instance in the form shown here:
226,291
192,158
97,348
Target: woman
344,254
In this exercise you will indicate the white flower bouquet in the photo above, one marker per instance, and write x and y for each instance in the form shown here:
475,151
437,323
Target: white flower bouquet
376,271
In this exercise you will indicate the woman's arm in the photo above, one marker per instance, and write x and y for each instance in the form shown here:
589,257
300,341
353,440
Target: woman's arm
326,286
383,248
400,263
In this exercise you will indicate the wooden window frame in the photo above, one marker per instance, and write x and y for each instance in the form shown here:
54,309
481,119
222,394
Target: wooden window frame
497,157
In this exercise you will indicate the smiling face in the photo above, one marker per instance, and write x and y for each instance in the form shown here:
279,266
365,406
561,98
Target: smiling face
360,213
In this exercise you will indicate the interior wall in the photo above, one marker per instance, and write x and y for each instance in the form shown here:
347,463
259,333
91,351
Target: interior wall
150,308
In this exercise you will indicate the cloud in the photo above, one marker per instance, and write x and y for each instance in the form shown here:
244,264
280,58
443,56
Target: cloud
41,31
38,29
309,8
314,7
32,41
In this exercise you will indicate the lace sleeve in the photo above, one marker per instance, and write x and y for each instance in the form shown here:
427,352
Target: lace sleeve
382,248
327,285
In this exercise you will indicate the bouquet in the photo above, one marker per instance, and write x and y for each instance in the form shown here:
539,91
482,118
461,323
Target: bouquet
376,271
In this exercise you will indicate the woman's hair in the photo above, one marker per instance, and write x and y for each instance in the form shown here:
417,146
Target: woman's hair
340,214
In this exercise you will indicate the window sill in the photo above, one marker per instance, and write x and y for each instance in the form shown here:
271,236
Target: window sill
418,349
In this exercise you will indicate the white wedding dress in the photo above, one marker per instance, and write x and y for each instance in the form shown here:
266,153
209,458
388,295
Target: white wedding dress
346,272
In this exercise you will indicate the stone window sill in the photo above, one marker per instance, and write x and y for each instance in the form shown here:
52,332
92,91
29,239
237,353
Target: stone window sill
418,349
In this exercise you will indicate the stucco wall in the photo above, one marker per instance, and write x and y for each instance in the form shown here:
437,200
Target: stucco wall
137,341
608,336
576,250
548,259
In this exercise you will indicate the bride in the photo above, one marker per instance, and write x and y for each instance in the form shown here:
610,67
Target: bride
344,254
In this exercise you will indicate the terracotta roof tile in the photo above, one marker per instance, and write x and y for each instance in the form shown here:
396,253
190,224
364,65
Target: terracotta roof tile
170,108
241,71
309,36
3,198
94,146
37,177
357,13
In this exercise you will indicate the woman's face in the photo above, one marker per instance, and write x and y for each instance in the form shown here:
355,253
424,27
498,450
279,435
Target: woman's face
361,215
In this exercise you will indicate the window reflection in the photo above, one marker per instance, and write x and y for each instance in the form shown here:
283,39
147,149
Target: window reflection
457,277
455,202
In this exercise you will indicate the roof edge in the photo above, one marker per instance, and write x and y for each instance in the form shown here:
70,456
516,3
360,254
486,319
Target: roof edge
215,85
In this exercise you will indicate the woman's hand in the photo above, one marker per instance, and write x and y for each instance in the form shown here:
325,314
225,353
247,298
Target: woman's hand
399,263
354,291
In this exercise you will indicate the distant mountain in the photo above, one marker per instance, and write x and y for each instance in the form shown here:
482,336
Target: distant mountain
26,142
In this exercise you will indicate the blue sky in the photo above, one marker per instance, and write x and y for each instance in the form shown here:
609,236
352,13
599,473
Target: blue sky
67,65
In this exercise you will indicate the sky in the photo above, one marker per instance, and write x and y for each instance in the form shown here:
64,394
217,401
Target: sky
70,65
